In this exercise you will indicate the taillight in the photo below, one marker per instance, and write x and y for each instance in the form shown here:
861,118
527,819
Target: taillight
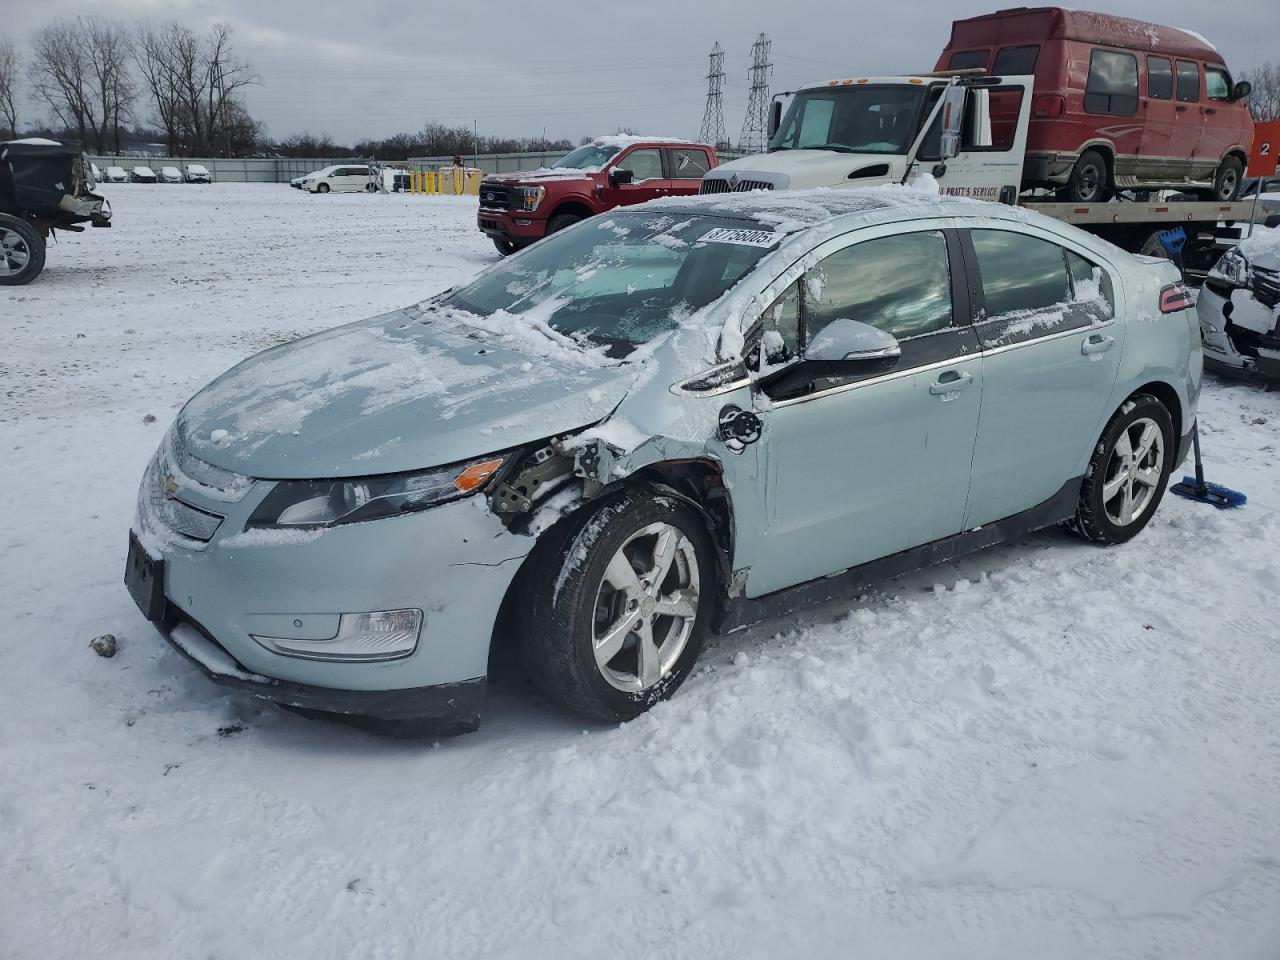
1174,297
1048,105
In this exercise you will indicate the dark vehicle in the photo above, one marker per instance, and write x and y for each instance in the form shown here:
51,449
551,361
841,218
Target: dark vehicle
44,186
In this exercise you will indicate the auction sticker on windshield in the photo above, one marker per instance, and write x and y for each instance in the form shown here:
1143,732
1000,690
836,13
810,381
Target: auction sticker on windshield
747,238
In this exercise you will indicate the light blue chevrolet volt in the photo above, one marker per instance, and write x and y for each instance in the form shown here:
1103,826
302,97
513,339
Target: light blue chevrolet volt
675,419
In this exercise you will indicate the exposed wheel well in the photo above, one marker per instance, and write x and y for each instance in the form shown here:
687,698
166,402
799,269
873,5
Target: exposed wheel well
1169,397
575,207
1108,154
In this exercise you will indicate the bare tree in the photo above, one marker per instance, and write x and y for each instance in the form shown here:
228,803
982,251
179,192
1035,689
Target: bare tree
194,84
1264,101
8,87
80,68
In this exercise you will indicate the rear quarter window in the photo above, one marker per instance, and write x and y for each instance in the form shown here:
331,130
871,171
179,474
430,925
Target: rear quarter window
969,60
1112,87
1016,61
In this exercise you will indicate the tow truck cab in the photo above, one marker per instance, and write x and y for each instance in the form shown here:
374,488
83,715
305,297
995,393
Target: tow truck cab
968,132
518,208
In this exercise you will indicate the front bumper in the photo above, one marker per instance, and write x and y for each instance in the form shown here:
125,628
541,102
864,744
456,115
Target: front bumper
504,225
1231,349
454,563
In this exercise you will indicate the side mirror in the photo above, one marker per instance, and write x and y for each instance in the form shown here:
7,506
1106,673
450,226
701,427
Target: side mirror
775,117
1241,90
852,340
620,175
952,120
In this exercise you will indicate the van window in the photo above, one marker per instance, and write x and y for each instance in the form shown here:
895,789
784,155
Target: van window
969,60
1016,61
1159,78
1112,87
1188,81
1217,85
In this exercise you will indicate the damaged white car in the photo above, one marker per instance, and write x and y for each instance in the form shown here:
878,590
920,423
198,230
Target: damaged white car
683,417
1239,308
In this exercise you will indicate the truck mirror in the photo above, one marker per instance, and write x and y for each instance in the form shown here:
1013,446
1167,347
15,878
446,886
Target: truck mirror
775,118
952,120
620,175
1241,90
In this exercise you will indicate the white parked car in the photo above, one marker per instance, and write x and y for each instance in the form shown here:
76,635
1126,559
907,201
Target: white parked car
198,173
116,175
142,174
346,178
95,172
170,175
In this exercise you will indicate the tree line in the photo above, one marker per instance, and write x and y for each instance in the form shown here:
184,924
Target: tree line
108,84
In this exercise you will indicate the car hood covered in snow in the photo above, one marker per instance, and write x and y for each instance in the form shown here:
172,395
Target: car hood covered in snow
407,390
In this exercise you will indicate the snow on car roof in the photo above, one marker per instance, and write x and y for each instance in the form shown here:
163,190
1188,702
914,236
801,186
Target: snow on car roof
622,140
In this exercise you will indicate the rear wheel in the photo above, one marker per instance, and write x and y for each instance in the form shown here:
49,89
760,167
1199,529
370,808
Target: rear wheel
1127,474
1227,181
21,251
1088,183
617,605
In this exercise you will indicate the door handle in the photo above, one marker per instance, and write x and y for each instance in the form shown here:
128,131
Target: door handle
1210,110
952,381
1180,109
1096,344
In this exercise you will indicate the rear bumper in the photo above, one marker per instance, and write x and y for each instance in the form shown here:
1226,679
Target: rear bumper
1048,168
442,710
502,225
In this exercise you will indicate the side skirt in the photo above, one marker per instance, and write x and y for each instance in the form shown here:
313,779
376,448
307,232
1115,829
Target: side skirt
739,612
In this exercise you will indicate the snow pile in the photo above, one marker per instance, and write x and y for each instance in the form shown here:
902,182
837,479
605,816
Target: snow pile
1263,245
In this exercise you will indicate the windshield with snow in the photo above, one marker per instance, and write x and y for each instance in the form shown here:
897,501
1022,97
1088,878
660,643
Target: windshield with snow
854,119
591,157
621,280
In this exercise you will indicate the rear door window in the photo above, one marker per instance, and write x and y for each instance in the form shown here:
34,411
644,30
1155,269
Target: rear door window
1016,61
969,60
1159,78
1188,81
688,164
1217,85
1112,87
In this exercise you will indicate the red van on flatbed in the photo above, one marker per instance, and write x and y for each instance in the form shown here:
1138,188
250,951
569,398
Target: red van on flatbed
1118,104
519,208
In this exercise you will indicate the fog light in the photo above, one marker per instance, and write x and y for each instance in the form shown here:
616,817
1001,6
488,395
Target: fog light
383,635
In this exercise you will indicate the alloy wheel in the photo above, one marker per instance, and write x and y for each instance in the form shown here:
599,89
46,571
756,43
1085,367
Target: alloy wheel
14,253
1133,472
646,607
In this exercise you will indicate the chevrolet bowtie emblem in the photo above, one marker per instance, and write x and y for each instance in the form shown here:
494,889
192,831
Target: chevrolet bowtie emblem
169,485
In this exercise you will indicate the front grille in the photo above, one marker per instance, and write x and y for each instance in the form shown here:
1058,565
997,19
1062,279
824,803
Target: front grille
1266,286
721,185
495,196
489,224
155,506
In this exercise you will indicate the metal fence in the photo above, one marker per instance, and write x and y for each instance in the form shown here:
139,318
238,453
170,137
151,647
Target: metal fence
284,169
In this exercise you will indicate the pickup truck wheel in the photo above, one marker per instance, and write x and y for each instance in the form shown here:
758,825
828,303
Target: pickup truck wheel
562,220
21,251
505,247
617,604
1227,181
370,188
1088,183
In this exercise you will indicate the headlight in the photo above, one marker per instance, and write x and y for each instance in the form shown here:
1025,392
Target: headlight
1233,268
325,503
530,197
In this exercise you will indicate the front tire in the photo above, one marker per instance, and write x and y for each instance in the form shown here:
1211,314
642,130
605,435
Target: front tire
504,247
560,221
1127,473
21,251
1088,182
322,188
617,605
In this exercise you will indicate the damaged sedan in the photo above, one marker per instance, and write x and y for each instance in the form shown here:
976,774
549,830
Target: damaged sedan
688,416
1239,308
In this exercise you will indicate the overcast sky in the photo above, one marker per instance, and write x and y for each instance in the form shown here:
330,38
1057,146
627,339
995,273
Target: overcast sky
371,68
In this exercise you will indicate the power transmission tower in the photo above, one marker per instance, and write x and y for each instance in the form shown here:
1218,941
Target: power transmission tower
755,125
713,115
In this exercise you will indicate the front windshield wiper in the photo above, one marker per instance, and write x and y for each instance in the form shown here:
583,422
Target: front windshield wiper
834,147
773,149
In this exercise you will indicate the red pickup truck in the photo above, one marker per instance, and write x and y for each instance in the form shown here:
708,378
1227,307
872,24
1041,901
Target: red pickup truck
518,208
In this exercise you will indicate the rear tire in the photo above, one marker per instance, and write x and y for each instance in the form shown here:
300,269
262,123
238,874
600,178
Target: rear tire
1127,474
1227,181
21,251
594,634
1088,183
562,220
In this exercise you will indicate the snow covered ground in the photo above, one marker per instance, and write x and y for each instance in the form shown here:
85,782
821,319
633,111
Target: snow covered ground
1048,750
